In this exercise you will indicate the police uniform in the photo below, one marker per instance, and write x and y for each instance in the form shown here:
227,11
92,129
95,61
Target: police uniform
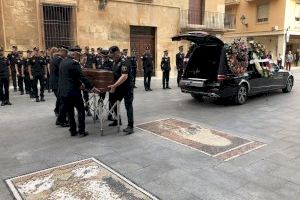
37,64
133,65
47,81
179,65
20,62
148,69
70,80
165,67
4,80
12,57
27,76
125,90
53,79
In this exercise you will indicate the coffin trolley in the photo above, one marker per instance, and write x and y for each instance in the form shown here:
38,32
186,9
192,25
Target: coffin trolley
100,108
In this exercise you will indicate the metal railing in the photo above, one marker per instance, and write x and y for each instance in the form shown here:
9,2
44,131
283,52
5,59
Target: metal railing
194,19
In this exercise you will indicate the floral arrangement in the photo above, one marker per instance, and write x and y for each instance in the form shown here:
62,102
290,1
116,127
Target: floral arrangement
258,48
237,57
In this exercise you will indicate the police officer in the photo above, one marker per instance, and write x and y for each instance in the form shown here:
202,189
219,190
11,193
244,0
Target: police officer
99,59
12,57
148,68
47,57
165,68
4,79
88,62
179,64
38,73
133,64
125,53
20,62
27,80
70,83
122,87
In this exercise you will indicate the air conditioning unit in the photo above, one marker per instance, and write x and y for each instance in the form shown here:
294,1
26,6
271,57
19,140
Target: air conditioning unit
275,28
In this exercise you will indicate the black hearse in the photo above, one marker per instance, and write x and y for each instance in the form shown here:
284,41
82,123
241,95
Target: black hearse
207,73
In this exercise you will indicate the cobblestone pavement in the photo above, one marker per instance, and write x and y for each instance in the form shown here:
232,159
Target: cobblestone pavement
29,141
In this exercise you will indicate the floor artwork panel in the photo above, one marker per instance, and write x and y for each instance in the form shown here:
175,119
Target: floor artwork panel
211,142
82,180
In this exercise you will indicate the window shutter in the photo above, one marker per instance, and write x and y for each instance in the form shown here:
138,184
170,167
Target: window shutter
263,13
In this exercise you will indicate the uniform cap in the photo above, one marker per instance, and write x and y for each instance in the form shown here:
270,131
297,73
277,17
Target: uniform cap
180,46
99,49
14,47
87,47
165,51
147,48
113,49
105,52
35,49
125,49
92,49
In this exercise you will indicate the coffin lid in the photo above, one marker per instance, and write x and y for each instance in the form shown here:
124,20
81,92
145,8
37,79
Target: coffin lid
199,38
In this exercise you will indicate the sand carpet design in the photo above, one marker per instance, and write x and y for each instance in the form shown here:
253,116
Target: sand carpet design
82,180
211,142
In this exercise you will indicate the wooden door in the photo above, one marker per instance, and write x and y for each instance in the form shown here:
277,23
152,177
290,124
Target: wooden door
196,11
140,38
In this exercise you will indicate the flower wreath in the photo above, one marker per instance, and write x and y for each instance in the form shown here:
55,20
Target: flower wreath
237,57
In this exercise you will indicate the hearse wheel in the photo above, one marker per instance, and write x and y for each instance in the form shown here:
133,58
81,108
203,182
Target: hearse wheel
198,97
289,85
241,96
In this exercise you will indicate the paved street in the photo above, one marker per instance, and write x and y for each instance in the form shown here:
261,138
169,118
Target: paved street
29,141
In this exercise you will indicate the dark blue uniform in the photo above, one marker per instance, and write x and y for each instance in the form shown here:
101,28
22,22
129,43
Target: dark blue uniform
133,65
165,67
28,87
12,57
37,64
148,69
20,63
179,65
4,80
53,80
124,90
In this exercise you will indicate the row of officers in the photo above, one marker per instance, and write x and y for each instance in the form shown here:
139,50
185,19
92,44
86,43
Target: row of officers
35,68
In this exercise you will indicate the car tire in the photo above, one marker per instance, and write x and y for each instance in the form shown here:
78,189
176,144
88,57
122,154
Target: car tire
289,85
241,95
198,97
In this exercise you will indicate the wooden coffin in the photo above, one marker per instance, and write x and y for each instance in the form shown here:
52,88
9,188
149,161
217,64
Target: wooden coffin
100,79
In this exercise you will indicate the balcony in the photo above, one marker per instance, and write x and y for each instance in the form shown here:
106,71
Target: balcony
232,2
195,20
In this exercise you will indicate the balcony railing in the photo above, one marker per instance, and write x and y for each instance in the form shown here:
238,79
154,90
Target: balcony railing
232,2
195,19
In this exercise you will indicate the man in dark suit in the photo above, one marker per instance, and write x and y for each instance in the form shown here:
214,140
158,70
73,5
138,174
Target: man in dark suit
179,64
148,68
165,68
70,83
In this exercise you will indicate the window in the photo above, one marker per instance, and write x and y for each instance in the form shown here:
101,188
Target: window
297,12
263,13
59,25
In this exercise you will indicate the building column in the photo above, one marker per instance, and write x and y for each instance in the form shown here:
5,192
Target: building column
281,45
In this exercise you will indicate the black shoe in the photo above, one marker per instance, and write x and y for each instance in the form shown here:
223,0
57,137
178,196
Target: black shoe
115,123
134,87
49,91
150,89
129,130
73,133
15,89
27,92
42,99
110,118
37,99
31,96
2,104
146,89
22,93
88,113
168,87
8,103
83,134
164,88
62,124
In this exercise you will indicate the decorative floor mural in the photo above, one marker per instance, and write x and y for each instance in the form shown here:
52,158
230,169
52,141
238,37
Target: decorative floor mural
211,142
82,180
